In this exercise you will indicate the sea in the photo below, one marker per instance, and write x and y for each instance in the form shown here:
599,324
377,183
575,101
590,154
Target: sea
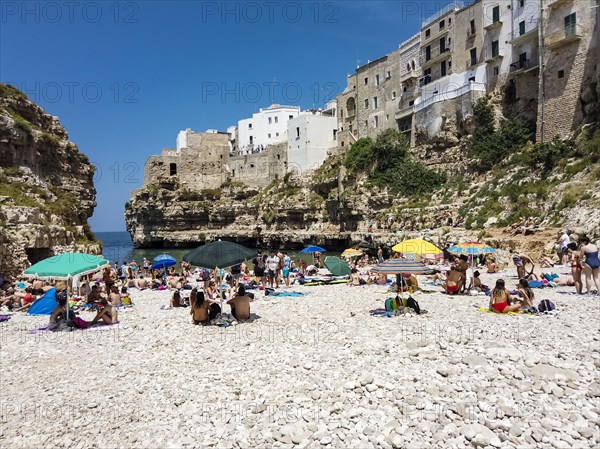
118,247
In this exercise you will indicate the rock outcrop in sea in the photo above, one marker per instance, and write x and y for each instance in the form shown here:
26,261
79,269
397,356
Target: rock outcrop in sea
47,192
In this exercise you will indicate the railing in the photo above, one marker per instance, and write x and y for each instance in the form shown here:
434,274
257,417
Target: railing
409,75
351,113
525,64
569,31
404,112
448,95
451,7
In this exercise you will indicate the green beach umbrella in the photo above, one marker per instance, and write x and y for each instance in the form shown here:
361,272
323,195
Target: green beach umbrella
219,254
337,266
66,266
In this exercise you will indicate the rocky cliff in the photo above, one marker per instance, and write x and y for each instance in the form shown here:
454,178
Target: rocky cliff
46,186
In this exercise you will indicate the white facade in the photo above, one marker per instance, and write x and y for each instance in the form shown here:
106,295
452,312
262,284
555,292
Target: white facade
310,136
498,18
182,140
266,127
232,133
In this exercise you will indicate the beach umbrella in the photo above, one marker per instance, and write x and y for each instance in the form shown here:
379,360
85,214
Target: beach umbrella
400,266
471,248
337,266
66,266
312,249
163,261
417,246
351,252
219,254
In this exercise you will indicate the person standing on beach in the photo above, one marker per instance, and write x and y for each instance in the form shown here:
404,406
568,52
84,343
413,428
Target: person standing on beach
286,267
576,267
272,266
591,265
562,245
146,266
259,269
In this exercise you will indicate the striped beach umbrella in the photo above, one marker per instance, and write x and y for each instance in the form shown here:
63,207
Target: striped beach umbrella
401,266
471,248
351,252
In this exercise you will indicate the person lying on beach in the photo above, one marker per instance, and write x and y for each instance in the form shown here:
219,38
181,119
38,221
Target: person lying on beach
546,262
240,305
202,310
108,314
500,299
30,297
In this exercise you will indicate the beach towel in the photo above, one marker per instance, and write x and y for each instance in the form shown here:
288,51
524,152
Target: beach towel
63,326
486,310
4,318
535,284
268,292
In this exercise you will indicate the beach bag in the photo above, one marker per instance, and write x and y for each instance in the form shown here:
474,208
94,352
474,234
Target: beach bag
546,305
269,291
413,304
390,305
260,263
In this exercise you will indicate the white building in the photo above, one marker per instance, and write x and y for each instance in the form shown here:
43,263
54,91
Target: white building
266,127
310,136
182,139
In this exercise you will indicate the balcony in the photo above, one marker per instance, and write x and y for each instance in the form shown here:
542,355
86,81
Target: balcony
566,35
404,112
471,33
471,63
493,24
435,55
413,74
493,57
525,66
558,3
525,37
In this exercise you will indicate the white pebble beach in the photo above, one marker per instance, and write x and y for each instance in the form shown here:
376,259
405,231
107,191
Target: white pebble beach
310,372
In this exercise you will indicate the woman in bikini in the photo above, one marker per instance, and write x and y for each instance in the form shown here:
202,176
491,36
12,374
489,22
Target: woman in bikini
202,310
576,267
525,294
500,300
108,313
591,264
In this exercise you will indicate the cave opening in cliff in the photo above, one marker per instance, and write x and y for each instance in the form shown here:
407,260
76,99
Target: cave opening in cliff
34,255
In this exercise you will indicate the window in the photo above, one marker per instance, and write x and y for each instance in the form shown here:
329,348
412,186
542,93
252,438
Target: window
411,103
376,121
375,103
570,24
442,24
408,67
249,125
290,117
388,74
276,134
522,3
496,14
427,78
495,49
366,81
472,26
428,53
442,45
270,120
276,119
473,56
496,70
472,79
521,28
334,134
377,80
269,135
561,74
251,140
449,21
172,169
393,95
297,132
522,60
366,103
412,64
251,165
387,117
443,71
366,123
404,89
427,33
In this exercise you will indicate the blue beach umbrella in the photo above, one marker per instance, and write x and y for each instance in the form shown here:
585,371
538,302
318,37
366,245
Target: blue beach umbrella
312,249
471,248
163,261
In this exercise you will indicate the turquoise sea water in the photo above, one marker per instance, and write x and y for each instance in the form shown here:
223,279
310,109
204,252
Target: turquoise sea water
118,247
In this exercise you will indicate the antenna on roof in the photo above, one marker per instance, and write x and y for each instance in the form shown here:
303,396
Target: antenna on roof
357,60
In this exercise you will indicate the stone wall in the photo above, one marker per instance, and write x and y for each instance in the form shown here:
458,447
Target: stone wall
258,170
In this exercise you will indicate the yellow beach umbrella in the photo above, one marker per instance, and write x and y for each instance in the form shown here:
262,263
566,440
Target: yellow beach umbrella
351,252
416,246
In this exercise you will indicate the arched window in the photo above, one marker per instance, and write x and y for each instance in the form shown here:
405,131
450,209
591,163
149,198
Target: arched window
413,64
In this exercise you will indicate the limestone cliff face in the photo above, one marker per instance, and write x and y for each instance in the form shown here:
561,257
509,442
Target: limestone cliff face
46,186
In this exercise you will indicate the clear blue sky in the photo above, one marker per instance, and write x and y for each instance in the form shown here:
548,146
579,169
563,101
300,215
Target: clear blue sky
125,77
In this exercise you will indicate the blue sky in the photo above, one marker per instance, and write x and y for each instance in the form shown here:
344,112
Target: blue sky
125,77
